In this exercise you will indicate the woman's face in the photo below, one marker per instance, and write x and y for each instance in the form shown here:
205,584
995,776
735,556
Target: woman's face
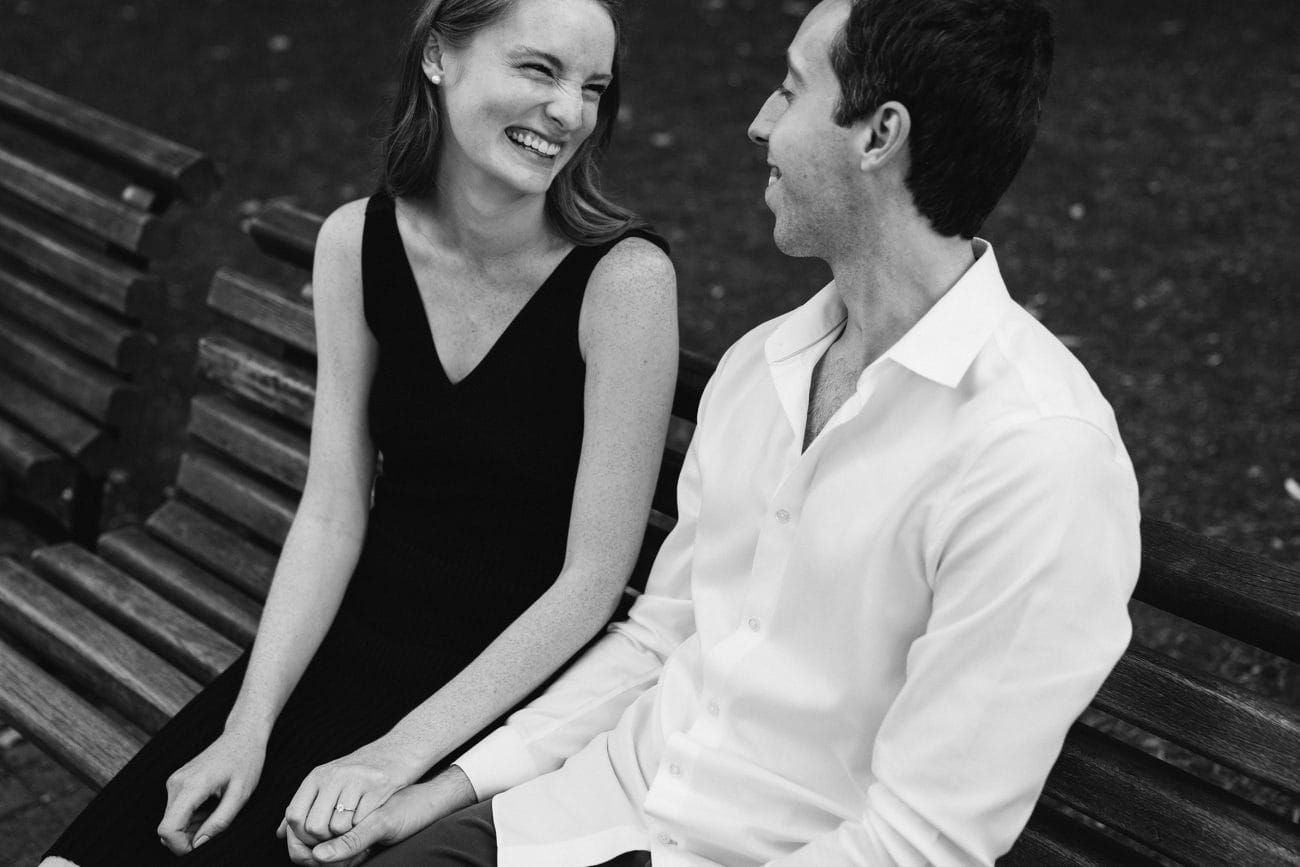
521,96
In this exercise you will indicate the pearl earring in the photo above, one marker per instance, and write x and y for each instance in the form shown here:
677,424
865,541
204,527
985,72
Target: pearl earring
436,79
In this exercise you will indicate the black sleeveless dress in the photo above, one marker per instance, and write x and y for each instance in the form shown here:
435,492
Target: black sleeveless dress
467,528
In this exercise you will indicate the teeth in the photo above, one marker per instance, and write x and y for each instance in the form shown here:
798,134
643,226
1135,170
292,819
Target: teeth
773,176
534,142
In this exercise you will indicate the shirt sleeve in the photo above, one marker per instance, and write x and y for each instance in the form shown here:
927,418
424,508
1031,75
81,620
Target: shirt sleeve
1032,562
592,693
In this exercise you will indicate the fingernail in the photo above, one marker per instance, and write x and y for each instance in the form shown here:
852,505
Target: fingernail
199,842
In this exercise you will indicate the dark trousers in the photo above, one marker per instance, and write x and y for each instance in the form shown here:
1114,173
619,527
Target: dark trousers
466,839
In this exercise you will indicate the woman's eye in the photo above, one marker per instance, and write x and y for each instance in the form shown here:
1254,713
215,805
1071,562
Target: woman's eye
537,67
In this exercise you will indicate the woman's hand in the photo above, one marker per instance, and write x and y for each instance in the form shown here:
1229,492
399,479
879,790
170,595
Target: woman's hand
229,770
406,813
357,785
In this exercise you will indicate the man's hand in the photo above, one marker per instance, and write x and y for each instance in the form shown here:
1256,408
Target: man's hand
410,810
359,782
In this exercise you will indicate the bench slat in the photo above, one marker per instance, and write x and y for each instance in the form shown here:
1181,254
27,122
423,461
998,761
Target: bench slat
250,439
1051,838
79,383
114,221
88,330
177,579
147,690
150,159
73,435
60,722
285,232
217,548
264,306
693,373
1164,808
42,471
1209,715
1248,597
87,272
283,389
246,501
176,636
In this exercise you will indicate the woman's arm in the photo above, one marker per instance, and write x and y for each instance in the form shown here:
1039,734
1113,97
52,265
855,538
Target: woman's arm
628,336
318,556
325,539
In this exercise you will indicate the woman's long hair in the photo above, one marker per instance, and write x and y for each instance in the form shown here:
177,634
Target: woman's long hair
574,202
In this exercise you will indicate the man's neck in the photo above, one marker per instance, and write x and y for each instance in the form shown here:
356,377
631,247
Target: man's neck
889,285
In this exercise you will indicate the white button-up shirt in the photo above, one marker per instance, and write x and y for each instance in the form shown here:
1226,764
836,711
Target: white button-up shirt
868,652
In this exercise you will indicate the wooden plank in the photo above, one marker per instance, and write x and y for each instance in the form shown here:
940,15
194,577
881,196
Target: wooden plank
252,440
1246,596
285,232
42,471
219,549
148,158
665,495
173,634
86,443
693,373
179,580
281,388
116,222
78,383
1165,809
264,306
87,272
146,689
1211,716
89,330
67,727
1052,838
249,503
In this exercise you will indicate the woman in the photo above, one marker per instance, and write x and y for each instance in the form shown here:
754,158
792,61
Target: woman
506,338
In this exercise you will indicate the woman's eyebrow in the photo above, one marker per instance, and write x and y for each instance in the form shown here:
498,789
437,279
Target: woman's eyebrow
523,51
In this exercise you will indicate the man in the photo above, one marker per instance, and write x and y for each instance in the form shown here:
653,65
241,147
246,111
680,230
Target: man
908,527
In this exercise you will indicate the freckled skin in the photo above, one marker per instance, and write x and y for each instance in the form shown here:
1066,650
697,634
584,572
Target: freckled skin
487,91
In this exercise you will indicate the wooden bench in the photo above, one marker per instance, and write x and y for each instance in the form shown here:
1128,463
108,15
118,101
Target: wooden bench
162,608
82,199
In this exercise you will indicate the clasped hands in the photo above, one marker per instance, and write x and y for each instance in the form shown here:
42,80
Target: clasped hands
345,807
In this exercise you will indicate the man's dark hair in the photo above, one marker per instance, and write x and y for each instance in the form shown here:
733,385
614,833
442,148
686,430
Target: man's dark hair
972,74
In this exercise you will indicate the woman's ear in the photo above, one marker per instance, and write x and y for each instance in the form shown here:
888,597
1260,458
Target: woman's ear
432,60
884,136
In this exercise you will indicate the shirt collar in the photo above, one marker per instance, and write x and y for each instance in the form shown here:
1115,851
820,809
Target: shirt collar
942,346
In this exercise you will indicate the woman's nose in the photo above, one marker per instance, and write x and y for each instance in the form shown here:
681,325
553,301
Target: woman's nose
565,108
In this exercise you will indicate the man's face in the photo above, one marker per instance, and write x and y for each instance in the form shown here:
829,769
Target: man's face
813,165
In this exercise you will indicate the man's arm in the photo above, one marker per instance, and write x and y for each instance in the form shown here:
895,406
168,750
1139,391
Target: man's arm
1032,560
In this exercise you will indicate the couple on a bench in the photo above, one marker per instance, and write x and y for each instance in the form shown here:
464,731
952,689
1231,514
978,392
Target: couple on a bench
907,528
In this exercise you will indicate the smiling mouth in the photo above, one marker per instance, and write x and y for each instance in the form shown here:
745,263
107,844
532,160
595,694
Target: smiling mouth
774,175
533,143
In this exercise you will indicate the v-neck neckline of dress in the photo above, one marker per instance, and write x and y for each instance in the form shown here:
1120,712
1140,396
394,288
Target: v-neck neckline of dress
428,324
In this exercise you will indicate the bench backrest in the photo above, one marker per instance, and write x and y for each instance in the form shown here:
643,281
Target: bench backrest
82,197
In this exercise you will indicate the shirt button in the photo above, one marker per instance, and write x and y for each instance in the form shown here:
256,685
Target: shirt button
754,624
666,840
714,710
675,770
783,516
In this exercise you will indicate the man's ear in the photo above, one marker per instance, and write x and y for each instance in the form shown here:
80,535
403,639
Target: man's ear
432,60
884,136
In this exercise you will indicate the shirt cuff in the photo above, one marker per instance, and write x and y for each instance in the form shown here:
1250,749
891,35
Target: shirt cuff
497,763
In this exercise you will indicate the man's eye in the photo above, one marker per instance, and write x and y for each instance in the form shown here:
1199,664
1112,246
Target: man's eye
598,89
784,92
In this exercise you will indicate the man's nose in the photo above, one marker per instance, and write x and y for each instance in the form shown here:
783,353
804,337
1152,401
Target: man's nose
760,128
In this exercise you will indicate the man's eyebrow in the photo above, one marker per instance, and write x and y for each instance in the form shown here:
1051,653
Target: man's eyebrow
527,51
793,67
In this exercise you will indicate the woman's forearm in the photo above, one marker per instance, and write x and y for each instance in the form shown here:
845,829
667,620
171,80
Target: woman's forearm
315,566
551,631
